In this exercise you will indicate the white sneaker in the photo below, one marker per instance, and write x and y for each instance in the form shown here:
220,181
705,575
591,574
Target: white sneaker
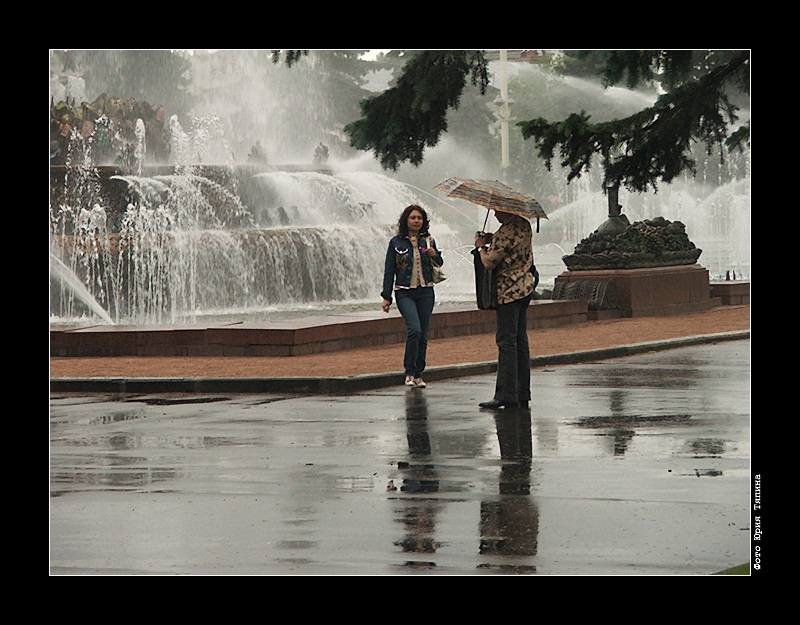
419,382
410,380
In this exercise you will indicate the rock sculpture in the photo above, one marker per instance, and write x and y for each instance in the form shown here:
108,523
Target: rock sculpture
650,243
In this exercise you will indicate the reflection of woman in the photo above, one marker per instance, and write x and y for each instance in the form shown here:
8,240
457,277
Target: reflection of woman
407,275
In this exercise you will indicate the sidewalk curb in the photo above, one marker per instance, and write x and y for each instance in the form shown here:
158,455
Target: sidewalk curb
355,384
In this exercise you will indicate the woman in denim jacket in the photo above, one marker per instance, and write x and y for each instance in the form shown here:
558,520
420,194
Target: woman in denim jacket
407,275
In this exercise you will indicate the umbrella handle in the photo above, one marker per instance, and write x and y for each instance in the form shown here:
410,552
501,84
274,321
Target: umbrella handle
485,221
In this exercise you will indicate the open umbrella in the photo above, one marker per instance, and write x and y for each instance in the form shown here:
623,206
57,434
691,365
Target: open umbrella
494,195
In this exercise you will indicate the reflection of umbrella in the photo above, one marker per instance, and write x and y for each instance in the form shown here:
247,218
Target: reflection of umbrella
492,194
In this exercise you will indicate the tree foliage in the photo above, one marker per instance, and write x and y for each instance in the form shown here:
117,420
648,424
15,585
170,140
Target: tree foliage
401,122
654,144
159,76
639,151
290,56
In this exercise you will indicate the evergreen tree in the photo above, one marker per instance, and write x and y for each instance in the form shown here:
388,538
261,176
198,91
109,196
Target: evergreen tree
651,146
401,122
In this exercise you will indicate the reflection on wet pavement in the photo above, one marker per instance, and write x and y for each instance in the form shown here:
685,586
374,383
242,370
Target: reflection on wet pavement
637,465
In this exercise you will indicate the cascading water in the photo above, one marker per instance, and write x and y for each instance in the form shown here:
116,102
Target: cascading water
80,248
237,242
188,247
74,287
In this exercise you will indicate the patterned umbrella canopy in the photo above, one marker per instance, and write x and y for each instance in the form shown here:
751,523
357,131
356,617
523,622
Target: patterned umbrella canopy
492,194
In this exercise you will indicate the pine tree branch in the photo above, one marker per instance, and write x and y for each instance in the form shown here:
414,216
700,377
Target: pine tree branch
653,145
401,122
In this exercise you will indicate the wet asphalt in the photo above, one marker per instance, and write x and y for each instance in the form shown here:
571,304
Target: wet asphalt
638,465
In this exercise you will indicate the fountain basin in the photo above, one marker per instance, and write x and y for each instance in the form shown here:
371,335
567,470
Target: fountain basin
292,337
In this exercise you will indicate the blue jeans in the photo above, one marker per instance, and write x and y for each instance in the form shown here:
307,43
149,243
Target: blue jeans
513,358
416,306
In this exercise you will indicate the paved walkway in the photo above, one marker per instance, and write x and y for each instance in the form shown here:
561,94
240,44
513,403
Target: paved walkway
637,465
355,369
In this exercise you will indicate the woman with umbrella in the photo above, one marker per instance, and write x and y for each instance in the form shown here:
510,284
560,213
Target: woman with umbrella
510,255
408,276
510,258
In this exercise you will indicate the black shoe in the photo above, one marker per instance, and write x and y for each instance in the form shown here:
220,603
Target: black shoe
496,403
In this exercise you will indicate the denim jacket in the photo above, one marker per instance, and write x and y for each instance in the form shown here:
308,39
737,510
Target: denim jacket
400,260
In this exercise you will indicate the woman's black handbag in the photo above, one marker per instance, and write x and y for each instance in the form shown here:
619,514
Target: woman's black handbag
485,284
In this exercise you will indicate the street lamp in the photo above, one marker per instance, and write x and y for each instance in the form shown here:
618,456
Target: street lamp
503,103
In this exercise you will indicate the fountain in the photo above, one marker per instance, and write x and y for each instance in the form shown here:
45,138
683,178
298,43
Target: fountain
716,219
235,242
72,284
182,243
714,204
656,265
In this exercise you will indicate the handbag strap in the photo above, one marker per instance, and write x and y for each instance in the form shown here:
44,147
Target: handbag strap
432,243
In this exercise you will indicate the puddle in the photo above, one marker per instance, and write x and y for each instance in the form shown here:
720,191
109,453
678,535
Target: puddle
706,447
178,401
617,421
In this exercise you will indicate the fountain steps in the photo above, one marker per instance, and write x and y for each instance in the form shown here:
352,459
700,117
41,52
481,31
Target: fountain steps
292,337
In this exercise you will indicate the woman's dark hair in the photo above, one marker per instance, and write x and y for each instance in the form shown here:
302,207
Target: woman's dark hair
402,223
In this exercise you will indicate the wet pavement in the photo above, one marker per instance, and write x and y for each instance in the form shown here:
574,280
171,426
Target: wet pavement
629,466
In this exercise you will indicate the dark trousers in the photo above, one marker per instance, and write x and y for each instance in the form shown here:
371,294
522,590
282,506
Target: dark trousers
416,306
514,357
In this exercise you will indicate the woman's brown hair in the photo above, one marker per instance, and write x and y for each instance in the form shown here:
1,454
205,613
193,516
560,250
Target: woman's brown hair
402,223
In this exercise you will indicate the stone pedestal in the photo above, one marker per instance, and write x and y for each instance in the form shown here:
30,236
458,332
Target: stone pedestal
651,291
732,292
